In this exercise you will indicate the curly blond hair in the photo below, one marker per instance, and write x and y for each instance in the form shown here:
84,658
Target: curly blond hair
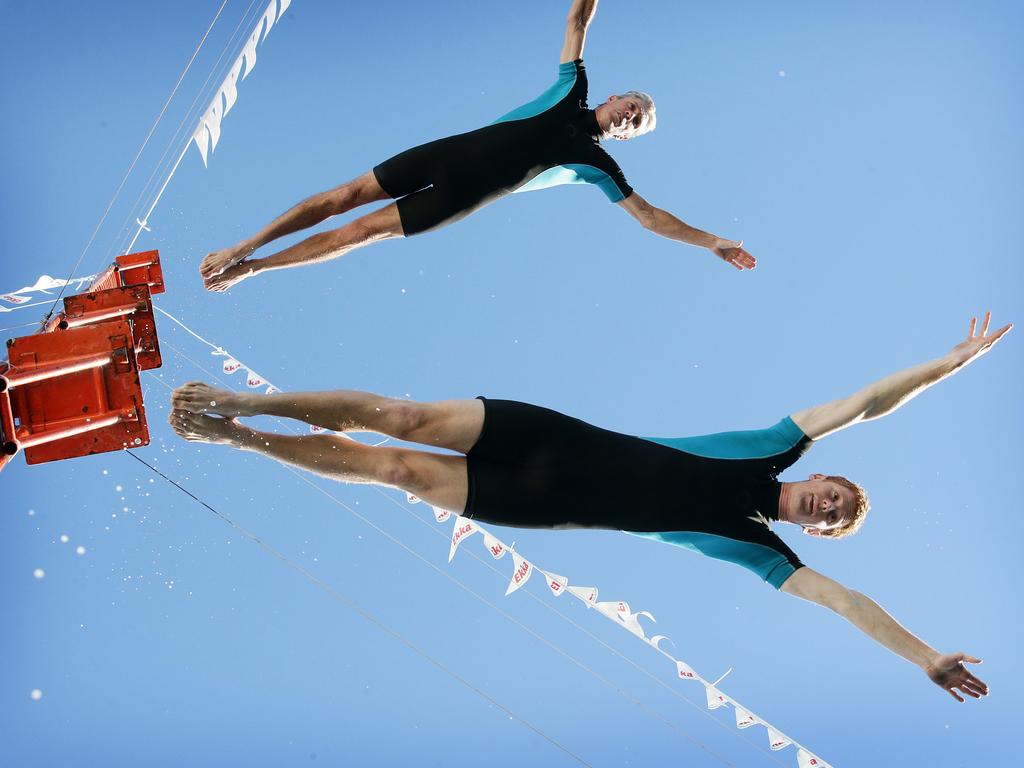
860,509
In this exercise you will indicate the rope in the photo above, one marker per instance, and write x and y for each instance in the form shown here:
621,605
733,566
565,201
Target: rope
365,614
137,155
632,699
188,118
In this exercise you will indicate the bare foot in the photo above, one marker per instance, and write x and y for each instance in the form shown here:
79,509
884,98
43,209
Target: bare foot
204,429
215,263
197,397
230,276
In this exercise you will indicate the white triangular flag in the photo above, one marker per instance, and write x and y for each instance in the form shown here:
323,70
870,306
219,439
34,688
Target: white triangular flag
441,514
685,671
776,740
411,498
521,574
715,697
80,281
463,527
231,365
806,760
657,639
632,622
249,52
743,718
212,120
269,16
271,389
317,428
495,547
556,583
230,88
254,380
587,594
202,140
613,609
44,283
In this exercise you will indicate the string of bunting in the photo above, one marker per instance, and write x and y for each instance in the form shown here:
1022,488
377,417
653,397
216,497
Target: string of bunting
207,134
618,611
44,284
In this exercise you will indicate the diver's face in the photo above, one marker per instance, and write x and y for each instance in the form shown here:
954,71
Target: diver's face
819,505
620,117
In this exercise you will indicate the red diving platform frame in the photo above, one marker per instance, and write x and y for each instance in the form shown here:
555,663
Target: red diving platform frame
73,388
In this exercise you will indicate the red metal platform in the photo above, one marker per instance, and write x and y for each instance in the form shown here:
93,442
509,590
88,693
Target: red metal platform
73,389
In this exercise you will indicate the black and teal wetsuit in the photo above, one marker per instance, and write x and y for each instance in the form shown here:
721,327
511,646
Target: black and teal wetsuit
715,494
552,140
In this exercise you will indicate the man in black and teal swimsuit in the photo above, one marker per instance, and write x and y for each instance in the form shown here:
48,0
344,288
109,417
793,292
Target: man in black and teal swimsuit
554,139
521,465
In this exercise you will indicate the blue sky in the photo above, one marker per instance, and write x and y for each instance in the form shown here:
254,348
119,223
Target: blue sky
870,158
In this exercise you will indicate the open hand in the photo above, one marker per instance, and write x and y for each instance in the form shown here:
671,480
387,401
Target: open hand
732,253
948,672
977,344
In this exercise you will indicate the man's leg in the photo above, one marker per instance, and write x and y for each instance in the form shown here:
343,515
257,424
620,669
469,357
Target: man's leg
451,424
438,479
379,225
308,213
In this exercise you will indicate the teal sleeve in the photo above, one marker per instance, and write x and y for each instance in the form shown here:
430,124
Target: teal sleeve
566,80
747,444
771,564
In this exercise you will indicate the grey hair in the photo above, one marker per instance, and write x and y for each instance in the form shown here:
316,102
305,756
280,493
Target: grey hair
650,121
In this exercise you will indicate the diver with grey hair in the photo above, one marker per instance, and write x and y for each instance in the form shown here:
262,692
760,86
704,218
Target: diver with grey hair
552,140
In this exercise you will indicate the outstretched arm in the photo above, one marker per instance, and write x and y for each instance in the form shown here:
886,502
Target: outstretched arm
885,396
945,670
665,224
580,15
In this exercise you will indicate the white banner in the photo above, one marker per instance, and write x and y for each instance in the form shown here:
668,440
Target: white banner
463,527
253,380
587,594
521,574
657,639
556,583
613,609
44,284
441,514
743,718
715,697
685,671
776,740
632,622
495,547
207,134
619,612
806,760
